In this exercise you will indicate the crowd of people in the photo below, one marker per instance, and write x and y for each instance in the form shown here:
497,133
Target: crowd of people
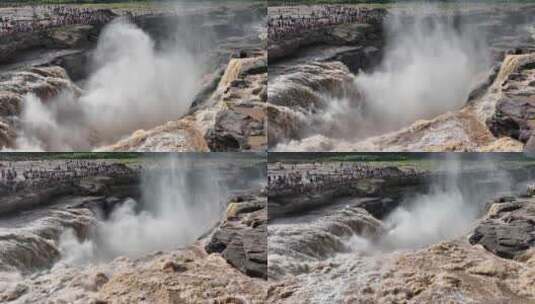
282,25
13,179
311,179
45,17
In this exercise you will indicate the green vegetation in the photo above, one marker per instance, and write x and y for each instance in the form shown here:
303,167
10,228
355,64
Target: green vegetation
419,161
396,157
11,2
121,4
293,2
69,1
21,156
204,159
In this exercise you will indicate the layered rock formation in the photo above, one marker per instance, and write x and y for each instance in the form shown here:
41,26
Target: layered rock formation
508,228
241,239
514,108
346,34
69,37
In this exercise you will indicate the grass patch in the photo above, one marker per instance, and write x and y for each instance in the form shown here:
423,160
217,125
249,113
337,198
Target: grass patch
22,156
420,160
297,2
238,159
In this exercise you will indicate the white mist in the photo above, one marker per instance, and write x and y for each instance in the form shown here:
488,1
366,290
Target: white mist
134,85
180,203
431,63
447,209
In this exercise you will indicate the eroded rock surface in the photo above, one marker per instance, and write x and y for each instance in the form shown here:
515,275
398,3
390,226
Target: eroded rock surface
241,239
515,110
508,230
345,34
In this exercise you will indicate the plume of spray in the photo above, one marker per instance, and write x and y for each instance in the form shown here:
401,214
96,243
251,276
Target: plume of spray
55,126
179,203
138,81
447,210
431,62
134,85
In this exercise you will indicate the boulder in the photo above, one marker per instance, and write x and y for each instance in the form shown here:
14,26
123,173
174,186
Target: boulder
513,118
230,131
508,230
242,238
515,109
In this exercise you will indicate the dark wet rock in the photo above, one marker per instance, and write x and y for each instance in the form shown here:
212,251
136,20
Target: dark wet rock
513,118
76,64
15,202
379,208
263,94
230,131
242,237
515,110
508,230
361,59
223,142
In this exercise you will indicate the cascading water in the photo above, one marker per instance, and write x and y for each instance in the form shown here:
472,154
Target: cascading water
179,204
134,86
332,252
431,62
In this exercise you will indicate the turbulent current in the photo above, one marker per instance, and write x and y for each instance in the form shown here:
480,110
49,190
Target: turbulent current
341,252
429,63
77,224
130,77
133,86
177,205
175,202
